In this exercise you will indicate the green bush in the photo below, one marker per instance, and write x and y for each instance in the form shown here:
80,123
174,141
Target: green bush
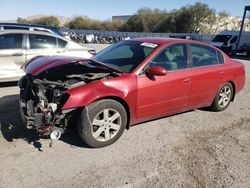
197,18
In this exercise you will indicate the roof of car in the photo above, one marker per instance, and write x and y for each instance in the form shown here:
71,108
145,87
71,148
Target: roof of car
51,29
165,41
21,31
160,41
27,25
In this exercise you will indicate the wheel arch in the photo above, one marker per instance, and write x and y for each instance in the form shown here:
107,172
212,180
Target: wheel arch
234,89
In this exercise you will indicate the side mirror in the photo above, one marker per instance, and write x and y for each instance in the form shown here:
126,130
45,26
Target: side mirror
156,71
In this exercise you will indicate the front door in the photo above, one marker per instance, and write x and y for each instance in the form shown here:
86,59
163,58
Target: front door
169,94
12,56
41,45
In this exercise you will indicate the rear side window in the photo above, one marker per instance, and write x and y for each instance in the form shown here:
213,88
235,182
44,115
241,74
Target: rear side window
61,43
11,41
42,41
203,55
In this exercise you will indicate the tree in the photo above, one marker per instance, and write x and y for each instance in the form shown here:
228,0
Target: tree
116,25
134,24
166,24
247,24
202,16
197,18
150,17
221,21
223,14
79,22
87,23
144,20
47,20
22,20
183,21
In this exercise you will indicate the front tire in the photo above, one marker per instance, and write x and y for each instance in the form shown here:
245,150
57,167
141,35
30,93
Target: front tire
102,123
223,97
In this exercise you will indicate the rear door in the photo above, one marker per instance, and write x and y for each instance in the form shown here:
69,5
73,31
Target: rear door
41,45
208,72
72,49
12,56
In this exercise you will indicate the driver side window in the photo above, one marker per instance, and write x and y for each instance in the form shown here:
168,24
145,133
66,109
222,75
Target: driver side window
171,58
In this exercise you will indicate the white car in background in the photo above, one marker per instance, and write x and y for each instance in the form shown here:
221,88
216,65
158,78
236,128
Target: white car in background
227,42
18,46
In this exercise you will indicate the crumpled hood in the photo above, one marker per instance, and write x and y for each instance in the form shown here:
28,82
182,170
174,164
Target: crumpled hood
41,63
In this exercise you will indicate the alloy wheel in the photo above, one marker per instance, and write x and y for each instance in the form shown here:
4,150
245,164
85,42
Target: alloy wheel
224,96
106,124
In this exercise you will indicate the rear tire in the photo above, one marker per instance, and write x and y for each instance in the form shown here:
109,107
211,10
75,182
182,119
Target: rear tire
102,123
223,97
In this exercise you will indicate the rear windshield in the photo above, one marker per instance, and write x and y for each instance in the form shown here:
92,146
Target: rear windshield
221,38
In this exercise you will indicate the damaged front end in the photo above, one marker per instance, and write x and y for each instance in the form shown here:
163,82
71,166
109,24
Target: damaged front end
42,96
40,105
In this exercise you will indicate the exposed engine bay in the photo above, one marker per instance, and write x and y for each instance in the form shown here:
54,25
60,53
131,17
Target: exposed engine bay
43,96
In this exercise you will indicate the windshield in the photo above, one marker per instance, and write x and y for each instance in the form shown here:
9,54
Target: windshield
221,38
125,56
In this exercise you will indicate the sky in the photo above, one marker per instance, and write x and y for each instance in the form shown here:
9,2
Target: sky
105,9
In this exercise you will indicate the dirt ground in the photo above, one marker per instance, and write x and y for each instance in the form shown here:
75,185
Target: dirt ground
194,149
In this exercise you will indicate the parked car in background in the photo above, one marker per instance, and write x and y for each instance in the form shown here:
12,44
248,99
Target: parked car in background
227,42
125,84
30,27
181,36
19,46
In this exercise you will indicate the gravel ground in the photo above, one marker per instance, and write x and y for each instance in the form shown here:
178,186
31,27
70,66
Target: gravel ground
194,149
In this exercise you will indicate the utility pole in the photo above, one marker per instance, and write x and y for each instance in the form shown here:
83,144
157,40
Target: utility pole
247,8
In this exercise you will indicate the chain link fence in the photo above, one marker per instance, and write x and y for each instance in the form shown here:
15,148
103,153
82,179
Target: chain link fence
199,37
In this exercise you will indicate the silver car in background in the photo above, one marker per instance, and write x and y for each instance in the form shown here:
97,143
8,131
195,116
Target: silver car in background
18,46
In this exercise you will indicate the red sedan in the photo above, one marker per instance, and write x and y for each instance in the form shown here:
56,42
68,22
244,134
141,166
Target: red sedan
125,84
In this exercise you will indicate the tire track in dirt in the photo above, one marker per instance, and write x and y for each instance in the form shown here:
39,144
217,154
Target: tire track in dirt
218,158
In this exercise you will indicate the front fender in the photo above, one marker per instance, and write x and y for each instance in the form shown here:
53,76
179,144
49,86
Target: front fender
86,94
123,87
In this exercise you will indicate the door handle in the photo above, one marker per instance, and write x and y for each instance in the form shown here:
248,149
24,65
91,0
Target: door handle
17,54
222,73
187,81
